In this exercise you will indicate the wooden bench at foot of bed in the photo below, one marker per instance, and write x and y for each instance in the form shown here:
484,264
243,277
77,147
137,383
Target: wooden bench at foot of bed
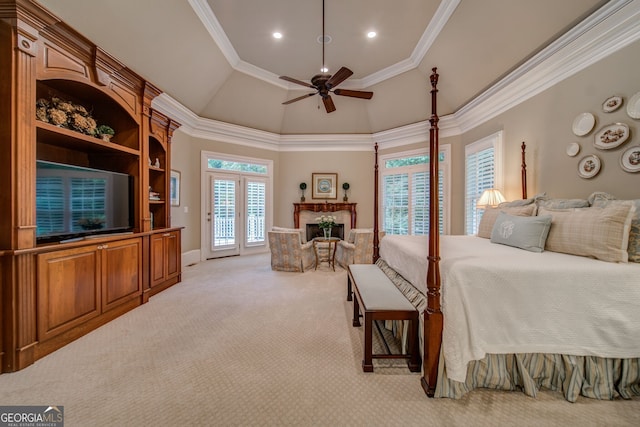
380,299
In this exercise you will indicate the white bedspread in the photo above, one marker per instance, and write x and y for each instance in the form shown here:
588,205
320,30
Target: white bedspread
497,299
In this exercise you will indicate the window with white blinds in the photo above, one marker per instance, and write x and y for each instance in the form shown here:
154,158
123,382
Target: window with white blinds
405,192
256,192
482,171
224,212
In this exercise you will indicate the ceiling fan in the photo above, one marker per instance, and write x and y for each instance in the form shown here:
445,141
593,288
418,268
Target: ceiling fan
325,83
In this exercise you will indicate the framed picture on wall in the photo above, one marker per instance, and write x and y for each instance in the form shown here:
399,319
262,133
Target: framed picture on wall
174,189
324,185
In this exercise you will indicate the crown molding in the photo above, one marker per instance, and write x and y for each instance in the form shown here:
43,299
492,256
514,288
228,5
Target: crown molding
215,130
211,23
612,27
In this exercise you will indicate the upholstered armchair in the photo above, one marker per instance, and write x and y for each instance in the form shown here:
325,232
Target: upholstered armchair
289,253
357,249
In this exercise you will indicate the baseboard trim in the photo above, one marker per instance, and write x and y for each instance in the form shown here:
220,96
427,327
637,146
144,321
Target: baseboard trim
191,257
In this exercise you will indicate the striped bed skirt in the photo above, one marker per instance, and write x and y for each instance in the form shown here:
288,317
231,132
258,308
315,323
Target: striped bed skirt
589,376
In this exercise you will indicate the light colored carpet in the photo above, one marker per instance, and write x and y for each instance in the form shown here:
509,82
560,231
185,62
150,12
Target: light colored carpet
238,344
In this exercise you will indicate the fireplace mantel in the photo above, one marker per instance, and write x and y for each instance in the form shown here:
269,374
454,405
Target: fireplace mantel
324,207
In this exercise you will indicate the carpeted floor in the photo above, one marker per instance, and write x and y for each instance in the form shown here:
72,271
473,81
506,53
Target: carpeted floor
238,344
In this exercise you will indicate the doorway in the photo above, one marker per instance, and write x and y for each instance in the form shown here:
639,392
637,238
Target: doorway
236,207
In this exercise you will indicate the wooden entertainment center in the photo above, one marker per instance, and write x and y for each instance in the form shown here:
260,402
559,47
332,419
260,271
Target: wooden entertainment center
53,293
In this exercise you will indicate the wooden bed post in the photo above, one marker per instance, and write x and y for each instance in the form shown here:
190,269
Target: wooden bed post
376,239
433,320
523,167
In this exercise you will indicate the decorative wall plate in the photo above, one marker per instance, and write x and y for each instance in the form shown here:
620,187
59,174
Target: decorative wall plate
611,136
633,107
611,104
589,166
630,159
583,124
573,149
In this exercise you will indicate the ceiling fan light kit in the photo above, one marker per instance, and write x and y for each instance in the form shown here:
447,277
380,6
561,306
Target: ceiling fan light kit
324,83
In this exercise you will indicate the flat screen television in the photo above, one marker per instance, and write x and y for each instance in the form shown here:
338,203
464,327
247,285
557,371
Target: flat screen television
74,202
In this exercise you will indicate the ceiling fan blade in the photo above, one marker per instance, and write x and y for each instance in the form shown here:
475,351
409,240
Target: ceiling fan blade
354,93
298,82
342,74
291,101
328,103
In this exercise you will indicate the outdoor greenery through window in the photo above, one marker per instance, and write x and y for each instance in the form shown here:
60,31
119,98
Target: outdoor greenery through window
405,193
236,166
239,201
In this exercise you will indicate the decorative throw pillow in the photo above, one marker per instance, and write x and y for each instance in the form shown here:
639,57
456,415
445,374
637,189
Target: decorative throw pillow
601,233
303,237
528,233
601,200
600,196
522,202
562,203
491,214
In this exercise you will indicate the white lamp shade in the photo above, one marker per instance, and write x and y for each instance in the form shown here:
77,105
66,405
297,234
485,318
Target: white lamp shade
490,198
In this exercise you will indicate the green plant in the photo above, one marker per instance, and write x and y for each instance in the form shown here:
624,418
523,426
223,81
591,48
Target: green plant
105,130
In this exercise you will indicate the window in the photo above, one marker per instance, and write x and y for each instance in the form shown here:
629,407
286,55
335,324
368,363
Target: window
236,166
482,171
405,192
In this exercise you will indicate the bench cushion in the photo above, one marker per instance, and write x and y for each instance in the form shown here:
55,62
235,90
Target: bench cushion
376,290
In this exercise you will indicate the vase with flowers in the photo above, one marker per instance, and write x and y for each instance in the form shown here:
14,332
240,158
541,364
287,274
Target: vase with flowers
326,223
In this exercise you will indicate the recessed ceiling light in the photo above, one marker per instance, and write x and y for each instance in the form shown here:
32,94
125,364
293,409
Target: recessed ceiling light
371,34
277,35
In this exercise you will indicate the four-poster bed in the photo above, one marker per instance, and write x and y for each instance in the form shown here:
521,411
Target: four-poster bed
545,323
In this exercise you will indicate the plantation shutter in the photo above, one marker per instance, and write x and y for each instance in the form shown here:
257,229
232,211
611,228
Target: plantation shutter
395,203
480,176
224,212
256,211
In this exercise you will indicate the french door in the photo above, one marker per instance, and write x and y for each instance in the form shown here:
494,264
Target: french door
235,214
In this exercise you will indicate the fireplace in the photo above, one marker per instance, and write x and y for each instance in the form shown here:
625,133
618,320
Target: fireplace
306,214
314,231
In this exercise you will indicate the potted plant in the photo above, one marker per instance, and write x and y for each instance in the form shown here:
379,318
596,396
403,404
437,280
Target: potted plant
345,187
105,132
303,186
